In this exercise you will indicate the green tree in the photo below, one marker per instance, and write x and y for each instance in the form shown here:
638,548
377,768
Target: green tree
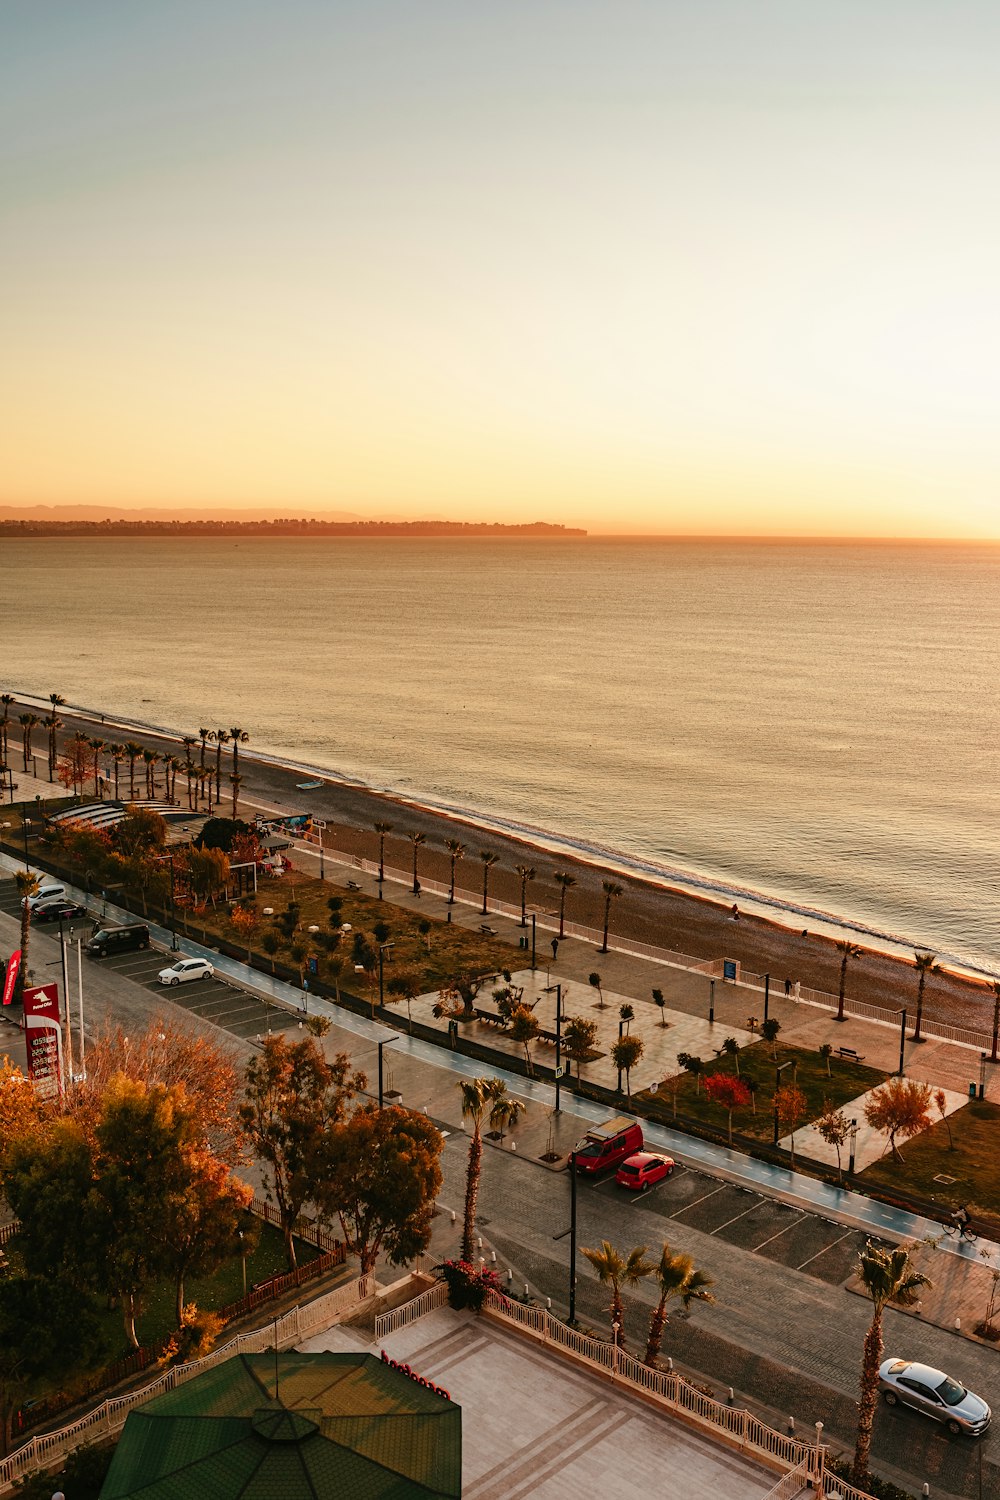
141,832
292,1097
693,1065
221,737
237,737
731,1048
464,986
405,985
625,1053
271,944
525,873
616,1271
48,1334
489,860
505,1113
594,980
579,1040
480,1096
770,1030
219,833
524,1029
566,882
676,1277
29,723
380,1174
208,870
7,699
133,751
202,1219
826,1052
659,1001
612,890
886,1274
847,951
456,851
382,828
236,782
924,965
626,1013
899,1109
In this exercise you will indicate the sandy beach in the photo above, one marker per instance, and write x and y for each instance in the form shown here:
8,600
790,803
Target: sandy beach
647,911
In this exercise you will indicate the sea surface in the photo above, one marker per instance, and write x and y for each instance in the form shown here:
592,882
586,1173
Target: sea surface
810,726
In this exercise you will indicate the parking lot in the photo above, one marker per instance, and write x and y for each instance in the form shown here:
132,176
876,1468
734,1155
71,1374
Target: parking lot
766,1227
216,1000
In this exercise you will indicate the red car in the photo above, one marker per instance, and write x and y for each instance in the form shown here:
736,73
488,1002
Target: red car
643,1169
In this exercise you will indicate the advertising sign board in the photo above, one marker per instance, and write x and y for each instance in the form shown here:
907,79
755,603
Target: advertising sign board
43,1035
10,978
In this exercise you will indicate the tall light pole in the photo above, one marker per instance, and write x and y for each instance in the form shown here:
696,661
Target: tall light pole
767,994
319,825
383,948
386,1043
572,1237
777,1084
902,1041
548,991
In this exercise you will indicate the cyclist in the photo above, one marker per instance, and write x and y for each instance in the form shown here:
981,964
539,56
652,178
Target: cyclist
961,1218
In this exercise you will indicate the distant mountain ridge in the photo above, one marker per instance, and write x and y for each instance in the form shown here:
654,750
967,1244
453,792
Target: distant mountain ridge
280,526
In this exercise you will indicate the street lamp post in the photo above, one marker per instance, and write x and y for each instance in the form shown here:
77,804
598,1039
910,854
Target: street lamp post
711,1002
572,1237
319,825
902,1041
24,829
854,1143
767,994
386,1043
532,941
621,1030
383,948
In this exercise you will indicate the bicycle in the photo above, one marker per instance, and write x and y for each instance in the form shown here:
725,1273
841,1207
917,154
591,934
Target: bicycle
961,1232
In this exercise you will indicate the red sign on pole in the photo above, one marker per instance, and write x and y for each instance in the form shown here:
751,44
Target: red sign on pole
44,1038
10,978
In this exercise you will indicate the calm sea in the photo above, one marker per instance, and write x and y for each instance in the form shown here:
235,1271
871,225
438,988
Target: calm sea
816,724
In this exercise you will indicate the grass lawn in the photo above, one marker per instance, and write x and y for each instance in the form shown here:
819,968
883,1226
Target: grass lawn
846,1081
973,1163
436,957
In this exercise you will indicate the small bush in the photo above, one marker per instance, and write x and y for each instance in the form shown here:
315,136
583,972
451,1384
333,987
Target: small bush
467,1284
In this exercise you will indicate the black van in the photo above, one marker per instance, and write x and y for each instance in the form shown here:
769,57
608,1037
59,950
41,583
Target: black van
105,940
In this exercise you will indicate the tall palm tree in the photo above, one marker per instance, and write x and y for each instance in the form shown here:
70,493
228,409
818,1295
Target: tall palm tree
612,890
381,828
133,751
416,839
7,700
886,1274
848,951
526,872
97,745
676,1277
924,965
172,764
189,770
205,735
239,737
567,881
480,1096
221,737
117,753
489,860
28,722
456,851
27,886
52,723
617,1271
237,782
149,760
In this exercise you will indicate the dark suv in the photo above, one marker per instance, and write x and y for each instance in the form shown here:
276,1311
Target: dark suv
107,940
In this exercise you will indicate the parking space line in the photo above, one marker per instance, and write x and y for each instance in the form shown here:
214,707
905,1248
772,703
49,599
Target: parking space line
694,1203
825,1248
780,1233
738,1216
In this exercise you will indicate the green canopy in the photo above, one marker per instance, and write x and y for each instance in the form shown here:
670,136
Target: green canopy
344,1426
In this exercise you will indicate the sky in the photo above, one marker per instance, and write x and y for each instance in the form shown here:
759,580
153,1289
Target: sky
646,266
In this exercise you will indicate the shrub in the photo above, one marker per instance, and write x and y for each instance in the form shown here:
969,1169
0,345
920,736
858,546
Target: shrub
468,1284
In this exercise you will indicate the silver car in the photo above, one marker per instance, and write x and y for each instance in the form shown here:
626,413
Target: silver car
934,1393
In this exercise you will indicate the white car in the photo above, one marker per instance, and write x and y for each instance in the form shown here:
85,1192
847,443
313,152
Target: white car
47,892
186,969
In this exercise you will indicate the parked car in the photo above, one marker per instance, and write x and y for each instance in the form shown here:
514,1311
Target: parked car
605,1146
643,1170
47,892
104,939
56,907
186,969
937,1395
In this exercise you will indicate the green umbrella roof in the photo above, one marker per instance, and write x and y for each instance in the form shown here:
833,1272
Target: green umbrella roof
337,1425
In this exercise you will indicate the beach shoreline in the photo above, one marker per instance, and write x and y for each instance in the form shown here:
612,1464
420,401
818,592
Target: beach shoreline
654,909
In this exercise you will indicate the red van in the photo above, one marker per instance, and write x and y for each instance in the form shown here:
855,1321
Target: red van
605,1146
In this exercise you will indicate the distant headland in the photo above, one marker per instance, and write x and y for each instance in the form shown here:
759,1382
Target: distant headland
282,526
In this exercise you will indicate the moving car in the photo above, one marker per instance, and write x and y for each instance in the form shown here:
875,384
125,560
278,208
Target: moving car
186,969
643,1170
104,939
47,892
936,1394
605,1146
56,907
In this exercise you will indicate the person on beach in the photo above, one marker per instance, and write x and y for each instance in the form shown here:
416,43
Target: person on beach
736,912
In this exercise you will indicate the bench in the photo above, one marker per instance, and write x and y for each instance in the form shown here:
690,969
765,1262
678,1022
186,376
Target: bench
850,1054
352,885
491,1018
487,929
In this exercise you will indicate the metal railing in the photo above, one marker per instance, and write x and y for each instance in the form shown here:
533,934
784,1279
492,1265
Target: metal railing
798,1481
409,1312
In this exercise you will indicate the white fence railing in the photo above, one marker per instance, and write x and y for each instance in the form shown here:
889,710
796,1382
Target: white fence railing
798,1481
108,1418
402,1317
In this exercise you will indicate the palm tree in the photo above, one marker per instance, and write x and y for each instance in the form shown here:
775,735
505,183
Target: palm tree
886,1274
924,965
28,723
206,735
456,850
133,750
612,890
480,1096
237,782
171,766
848,950
97,745
731,1048
416,839
149,760
221,737
6,699
52,723
489,860
567,881
27,886
239,737
505,1113
117,753
382,828
617,1271
676,1277
526,872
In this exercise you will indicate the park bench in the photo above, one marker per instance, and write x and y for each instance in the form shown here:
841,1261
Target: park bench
850,1054
352,885
491,1018
487,929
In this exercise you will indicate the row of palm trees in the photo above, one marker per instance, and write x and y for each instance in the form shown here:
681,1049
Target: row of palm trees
526,874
